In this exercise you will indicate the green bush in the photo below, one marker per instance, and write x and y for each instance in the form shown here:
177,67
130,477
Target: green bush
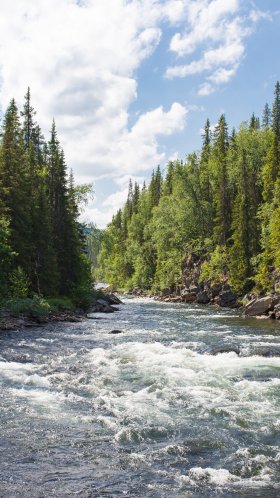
35,307
19,283
216,269
61,304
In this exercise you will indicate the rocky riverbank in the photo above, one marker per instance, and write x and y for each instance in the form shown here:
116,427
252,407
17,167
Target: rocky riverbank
106,304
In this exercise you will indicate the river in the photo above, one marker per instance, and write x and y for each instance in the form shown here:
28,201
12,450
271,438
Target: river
147,413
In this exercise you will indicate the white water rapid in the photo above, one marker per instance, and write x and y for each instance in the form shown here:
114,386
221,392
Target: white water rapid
183,403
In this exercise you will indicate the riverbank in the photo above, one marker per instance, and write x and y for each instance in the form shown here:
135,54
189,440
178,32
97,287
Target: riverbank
267,307
39,313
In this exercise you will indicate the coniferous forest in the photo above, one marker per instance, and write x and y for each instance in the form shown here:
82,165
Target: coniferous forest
41,240
222,204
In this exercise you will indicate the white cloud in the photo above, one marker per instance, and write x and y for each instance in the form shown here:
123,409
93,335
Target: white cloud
216,28
257,15
222,75
205,89
206,21
107,209
80,61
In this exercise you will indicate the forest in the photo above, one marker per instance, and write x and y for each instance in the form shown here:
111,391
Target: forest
221,203
42,242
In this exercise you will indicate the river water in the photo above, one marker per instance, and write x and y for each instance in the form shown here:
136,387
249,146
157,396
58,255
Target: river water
146,413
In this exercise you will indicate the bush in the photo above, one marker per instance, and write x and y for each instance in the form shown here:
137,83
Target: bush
215,270
35,307
19,283
61,304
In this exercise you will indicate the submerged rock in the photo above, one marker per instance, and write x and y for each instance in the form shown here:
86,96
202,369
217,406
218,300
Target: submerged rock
266,352
116,332
214,350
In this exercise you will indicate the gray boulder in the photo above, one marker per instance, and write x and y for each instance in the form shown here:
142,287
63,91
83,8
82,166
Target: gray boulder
202,297
259,306
226,299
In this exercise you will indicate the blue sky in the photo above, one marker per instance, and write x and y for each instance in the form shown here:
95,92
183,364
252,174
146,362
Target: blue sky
131,82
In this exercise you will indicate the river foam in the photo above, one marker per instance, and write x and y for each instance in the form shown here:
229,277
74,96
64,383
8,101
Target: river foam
146,413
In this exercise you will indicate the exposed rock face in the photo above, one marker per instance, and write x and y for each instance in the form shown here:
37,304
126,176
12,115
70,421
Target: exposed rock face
204,293
260,306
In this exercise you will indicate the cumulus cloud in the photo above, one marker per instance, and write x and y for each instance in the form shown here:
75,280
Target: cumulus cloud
205,89
217,29
80,60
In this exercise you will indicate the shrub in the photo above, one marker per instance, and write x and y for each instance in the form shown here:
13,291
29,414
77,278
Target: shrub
35,307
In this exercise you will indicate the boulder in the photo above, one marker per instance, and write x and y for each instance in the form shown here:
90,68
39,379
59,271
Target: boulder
219,349
202,297
102,308
188,297
103,302
259,306
194,288
113,299
176,299
226,298
214,290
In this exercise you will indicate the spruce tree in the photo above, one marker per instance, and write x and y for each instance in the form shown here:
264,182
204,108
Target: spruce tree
15,187
221,193
266,117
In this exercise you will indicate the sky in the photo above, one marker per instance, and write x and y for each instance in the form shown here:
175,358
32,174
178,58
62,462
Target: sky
131,83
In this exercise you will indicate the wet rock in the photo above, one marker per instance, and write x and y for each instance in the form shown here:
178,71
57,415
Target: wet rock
214,350
187,296
194,288
113,299
203,298
266,352
175,299
214,290
116,332
100,308
260,306
226,299
103,302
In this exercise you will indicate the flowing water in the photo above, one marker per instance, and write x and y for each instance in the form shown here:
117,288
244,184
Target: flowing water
146,413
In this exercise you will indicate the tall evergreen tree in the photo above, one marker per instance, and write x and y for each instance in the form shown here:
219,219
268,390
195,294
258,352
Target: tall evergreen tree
15,186
266,117
221,193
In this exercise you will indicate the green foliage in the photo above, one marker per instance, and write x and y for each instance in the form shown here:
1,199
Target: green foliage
216,269
224,201
60,303
42,244
34,307
6,258
19,283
